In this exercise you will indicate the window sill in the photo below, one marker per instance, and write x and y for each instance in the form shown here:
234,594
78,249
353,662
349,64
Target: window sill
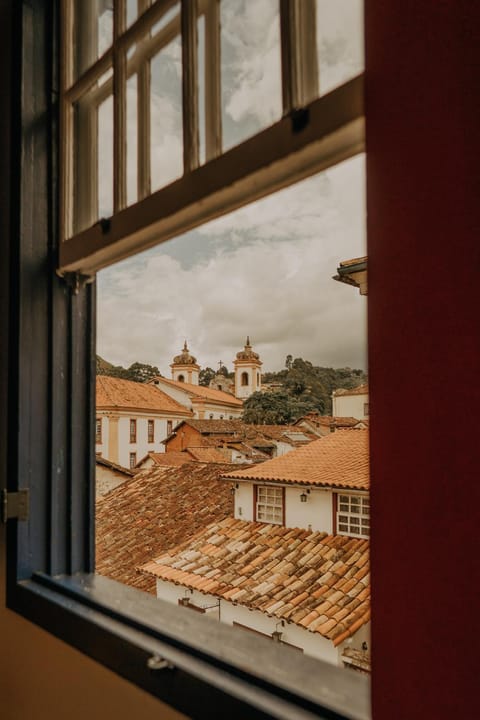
209,671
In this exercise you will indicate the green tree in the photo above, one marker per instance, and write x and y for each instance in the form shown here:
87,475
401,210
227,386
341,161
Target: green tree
205,376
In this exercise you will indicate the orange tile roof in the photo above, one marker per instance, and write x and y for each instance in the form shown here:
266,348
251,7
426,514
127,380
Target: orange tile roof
353,261
360,390
290,434
154,511
327,420
339,459
105,462
204,393
171,459
117,393
317,581
205,454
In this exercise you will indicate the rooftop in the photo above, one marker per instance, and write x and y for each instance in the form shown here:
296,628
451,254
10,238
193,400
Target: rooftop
104,462
117,393
319,582
202,393
316,419
359,390
339,459
154,511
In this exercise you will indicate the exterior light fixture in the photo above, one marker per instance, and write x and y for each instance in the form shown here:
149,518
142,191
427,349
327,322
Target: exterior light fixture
303,497
185,601
277,636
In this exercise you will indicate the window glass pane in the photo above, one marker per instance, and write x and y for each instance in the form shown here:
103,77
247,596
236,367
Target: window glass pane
132,139
93,156
340,42
93,32
166,135
250,68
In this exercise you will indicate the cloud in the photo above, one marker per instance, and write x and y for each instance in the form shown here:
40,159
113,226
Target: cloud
274,284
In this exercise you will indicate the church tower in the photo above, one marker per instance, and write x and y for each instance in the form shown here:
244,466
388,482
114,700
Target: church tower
184,367
248,377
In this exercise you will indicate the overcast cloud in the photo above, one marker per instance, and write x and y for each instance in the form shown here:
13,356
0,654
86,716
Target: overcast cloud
264,270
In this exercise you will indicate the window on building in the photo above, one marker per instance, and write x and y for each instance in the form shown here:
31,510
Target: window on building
133,431
169,427
132,460
366,409
353,515
244,378
98,431
151,431
269,504
181,378
211,416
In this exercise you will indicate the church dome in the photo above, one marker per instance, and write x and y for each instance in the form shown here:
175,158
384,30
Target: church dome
185,358
247,353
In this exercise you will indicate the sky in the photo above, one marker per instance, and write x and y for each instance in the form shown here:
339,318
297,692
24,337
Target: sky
266,269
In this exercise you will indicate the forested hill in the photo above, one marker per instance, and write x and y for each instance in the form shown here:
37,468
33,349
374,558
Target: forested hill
298,389
139,372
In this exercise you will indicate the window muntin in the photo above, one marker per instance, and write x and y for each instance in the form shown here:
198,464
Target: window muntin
133,431
278,158
353,515
269,505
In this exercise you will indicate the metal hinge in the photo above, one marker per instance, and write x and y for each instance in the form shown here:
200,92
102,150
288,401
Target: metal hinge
15,505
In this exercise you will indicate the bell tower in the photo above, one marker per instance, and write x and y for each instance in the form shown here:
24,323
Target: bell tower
248,376
184,367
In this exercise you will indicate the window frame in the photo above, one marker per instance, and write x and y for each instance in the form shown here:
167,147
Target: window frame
349,514
150,431
132,430
280,491
50,556
98,431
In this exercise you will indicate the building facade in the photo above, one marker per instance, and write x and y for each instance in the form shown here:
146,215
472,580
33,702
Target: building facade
352,403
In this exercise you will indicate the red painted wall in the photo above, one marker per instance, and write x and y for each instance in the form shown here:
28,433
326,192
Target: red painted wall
423,143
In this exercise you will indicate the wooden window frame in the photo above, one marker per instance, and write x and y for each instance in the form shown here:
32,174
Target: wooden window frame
132,461
258,492
349,514
132,424
98,431
150,431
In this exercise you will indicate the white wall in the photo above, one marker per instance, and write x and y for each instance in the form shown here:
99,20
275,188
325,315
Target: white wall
107,479
219,412
350,405
254,381
243,502
181,396
312,644
141,447
315,514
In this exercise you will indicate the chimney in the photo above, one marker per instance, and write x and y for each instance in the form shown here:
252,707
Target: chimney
333,426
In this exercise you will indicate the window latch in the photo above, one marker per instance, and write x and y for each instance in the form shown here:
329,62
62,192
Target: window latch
76,281
15,505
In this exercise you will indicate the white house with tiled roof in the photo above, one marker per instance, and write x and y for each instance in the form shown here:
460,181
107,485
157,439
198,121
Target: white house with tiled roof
132,419
352,402
203,402
292,564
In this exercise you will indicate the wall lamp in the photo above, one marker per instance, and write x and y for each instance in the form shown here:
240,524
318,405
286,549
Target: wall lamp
233,488
304,496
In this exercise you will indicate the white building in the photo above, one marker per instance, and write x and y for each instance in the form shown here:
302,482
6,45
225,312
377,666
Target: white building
292,564
352,403
248,376
132,419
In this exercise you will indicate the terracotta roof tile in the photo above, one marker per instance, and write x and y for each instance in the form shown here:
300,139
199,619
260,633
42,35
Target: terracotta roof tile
153,512
340,459
117,393
255,573
359,390
203,393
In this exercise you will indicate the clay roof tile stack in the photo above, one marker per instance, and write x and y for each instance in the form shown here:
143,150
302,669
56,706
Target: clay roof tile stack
317,581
